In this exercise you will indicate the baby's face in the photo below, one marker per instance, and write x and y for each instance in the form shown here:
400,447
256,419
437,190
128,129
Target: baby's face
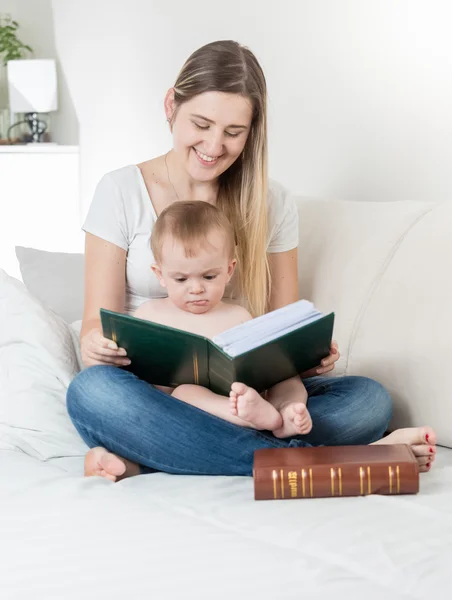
195,283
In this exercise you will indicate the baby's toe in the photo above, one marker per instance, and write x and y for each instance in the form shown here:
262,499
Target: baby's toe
239,388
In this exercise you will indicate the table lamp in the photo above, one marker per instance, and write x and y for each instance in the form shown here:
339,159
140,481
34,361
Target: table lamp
32,88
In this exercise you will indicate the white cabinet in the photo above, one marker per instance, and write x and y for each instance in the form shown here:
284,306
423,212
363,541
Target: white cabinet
39,201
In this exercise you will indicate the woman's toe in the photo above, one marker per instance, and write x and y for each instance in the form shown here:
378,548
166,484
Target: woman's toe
425,468
429,436
423,450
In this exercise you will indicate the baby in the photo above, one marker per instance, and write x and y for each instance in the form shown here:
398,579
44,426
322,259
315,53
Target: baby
194,246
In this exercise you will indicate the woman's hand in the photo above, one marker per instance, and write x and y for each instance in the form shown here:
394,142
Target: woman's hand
327,363
98,350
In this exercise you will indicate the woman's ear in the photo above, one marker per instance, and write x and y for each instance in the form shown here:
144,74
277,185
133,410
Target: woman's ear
170,106
158,273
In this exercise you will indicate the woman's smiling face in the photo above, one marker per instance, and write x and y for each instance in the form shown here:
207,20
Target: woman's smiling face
210,132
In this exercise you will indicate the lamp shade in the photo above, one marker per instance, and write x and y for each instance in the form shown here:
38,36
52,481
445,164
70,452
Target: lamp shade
32,86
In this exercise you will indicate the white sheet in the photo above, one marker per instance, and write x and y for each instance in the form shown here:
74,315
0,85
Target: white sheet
160,536
166,536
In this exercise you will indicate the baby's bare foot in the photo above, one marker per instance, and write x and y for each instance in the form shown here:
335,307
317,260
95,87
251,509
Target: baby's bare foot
248,405
296,420
422,441
100,462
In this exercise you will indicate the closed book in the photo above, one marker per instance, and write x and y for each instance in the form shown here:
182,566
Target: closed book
166,356
334,471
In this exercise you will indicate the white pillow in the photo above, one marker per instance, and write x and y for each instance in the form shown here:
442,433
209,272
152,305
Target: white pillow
38,360
54,278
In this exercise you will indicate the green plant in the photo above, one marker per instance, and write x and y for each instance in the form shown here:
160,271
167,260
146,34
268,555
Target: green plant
11,48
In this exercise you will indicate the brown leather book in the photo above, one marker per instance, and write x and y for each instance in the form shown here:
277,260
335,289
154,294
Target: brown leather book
332,471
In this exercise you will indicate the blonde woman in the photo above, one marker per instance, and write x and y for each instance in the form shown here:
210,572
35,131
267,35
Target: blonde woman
217,113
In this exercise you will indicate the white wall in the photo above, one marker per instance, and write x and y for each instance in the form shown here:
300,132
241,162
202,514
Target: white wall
36,29
360,91
39,201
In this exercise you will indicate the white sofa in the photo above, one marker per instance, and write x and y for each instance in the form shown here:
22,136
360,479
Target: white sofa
385,270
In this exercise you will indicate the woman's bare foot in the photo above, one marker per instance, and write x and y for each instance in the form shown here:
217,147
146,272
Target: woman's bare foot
101,462
248,405
422,441
296,420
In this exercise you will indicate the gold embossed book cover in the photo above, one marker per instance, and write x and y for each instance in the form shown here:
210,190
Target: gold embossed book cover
334,471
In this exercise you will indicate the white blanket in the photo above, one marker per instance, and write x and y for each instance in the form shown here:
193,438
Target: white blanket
162,536
169,536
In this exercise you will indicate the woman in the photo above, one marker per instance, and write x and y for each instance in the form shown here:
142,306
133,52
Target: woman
218,117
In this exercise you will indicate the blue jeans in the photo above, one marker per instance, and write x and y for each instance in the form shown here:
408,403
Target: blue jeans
112,408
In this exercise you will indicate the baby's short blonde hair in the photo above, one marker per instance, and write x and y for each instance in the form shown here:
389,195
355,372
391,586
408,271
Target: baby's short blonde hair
190,223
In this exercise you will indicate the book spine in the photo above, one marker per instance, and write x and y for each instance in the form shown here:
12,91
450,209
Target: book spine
322,481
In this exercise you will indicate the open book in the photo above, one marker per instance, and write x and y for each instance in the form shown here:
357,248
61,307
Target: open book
260,352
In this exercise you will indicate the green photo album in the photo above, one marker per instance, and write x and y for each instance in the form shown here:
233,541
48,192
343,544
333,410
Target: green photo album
259,353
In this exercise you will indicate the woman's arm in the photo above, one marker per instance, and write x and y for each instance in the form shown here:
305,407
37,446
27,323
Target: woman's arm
105,280
105,265
284,278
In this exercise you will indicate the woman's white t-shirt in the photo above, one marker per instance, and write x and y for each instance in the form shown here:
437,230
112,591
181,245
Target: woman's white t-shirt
122,213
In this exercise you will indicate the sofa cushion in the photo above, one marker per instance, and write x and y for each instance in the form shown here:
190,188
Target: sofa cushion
385,270
55,278
404,330
344,248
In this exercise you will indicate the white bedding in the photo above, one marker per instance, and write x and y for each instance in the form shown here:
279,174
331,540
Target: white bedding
162,536
166,536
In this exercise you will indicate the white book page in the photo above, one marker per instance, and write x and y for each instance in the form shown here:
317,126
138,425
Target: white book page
263,329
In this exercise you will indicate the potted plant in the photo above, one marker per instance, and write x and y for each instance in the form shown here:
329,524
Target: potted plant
11,48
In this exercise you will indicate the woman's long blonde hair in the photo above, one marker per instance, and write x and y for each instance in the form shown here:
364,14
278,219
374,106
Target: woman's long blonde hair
226,66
